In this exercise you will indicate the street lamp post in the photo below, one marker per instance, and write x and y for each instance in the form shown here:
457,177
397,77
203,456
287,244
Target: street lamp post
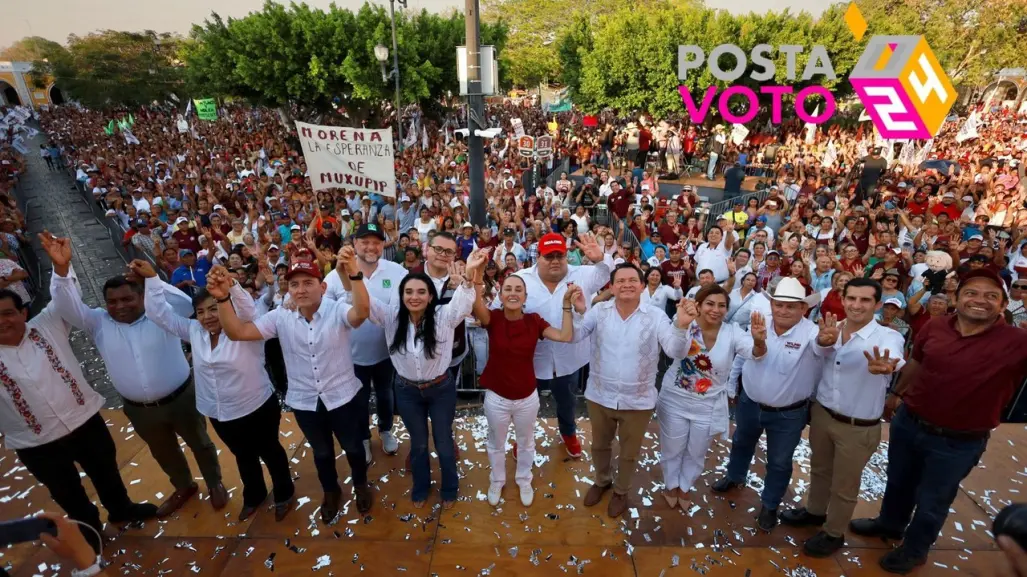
382,54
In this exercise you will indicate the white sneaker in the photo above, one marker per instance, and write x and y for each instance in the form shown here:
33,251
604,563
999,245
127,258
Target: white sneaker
390,444
367,451
527,495
495,494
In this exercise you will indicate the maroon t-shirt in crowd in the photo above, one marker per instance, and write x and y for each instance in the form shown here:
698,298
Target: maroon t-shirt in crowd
187,239
671,270
965,382
620,201
511,375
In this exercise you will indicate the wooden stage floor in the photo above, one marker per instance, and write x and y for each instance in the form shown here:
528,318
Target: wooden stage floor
557,535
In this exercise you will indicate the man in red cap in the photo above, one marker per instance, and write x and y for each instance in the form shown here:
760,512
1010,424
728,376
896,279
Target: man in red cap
323,388
948,408
558,365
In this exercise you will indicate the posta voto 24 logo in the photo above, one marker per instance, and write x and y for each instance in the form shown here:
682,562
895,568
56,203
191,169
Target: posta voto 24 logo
900,83
898,79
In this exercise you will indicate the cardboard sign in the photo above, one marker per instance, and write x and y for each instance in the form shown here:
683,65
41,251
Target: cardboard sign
349,158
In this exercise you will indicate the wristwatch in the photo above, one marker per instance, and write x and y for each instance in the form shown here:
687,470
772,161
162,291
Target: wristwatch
358,276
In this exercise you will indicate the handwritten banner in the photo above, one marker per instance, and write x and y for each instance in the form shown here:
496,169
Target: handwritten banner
350,158
206,108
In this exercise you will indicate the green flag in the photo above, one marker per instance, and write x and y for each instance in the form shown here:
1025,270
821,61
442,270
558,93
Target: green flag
131,121
109,129
206,108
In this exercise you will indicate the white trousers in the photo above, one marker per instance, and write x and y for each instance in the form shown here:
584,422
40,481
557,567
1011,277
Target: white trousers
684,441
500,412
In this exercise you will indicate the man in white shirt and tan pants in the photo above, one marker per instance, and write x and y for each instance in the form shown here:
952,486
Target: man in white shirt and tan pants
845,425
625,339
148,368
776,389
50,416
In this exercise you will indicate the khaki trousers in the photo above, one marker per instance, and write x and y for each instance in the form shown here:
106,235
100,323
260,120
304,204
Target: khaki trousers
839,453
629,428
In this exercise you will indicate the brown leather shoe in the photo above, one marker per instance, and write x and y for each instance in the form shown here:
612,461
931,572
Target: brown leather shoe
330,506
618,504
595,494
282,509
175,501
364,498
218,497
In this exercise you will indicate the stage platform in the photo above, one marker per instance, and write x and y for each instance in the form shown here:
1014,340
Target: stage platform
557,535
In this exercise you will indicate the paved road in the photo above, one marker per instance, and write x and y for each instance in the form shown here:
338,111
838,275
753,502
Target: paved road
55,205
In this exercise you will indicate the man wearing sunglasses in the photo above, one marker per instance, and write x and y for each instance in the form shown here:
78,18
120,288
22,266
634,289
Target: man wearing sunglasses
1018,301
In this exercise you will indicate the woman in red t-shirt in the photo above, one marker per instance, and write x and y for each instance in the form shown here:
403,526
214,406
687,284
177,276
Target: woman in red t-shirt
509,378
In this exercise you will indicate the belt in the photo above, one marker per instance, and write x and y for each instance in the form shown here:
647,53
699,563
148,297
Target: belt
424,384
162,401
791,407
944,432
851,420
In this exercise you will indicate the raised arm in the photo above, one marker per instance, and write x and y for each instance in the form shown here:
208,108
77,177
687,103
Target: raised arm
234,327
565,333
592,250
361,305
67,299
157,308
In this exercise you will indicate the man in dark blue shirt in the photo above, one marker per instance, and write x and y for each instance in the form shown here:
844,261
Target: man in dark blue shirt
733,178
192,274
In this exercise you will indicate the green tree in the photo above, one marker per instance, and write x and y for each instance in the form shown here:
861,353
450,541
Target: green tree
572,47
28,49
322,60
972,40
113,68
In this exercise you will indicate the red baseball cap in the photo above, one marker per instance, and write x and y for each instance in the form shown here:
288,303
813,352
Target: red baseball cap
984,273
303,267
552,242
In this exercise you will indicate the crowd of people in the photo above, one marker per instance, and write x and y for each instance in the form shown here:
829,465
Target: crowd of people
855,292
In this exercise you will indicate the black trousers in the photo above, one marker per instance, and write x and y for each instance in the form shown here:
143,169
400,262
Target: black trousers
380,376
348,424
92,447
275,362
253,438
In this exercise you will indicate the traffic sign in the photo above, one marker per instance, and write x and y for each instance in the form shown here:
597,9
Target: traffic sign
526,144
544,146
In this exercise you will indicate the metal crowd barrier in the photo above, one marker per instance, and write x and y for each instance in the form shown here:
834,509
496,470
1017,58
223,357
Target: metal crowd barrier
115,231
723,206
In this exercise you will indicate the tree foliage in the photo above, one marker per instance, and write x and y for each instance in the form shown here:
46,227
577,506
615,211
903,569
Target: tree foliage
28,49
322,59
972,39
112,68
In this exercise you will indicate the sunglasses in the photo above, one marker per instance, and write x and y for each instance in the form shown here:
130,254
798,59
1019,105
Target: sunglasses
1020,286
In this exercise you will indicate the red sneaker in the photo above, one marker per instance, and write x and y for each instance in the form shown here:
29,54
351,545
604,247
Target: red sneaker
515,450
572,445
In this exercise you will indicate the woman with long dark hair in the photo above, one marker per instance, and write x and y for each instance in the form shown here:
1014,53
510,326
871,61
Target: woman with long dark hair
232,387
419,334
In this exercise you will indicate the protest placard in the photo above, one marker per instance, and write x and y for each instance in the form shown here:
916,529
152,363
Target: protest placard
349,158
206,108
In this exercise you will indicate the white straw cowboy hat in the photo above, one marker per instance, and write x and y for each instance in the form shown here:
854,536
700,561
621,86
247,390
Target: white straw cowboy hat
790,290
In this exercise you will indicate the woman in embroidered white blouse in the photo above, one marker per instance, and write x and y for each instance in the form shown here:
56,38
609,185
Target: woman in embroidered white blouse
693,402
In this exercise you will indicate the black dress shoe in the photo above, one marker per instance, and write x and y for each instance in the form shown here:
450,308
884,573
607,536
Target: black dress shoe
282,509
364,498
134,513
724,485
801,518
330,506
247,512
900,561
873,528
767,519
822,545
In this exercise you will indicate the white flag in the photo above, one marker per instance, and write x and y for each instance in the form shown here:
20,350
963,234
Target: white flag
889,150
907,155
969,128
861,149
411,136
924,152
129,137
424,138
189,107
811,129
830,155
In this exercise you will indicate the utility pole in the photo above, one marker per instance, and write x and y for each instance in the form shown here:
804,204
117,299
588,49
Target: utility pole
475,116
395,67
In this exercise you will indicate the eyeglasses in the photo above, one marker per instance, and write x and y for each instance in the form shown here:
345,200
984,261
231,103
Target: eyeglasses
1022,287
443,251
